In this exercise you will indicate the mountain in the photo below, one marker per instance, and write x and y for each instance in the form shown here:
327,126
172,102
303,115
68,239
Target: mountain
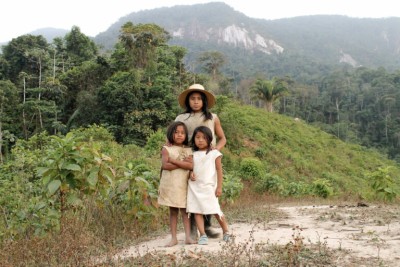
300,46
50,33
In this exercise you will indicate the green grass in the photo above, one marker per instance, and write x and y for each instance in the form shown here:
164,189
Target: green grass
296,151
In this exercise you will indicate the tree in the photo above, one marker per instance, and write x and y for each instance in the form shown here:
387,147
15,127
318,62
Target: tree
212,61
21,52
8,102
78,47
269,91
140,41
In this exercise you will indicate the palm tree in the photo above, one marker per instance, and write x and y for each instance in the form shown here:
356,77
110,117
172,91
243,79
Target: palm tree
269,91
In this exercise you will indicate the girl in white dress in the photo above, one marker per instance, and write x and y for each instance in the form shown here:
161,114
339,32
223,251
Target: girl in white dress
174,179
205,184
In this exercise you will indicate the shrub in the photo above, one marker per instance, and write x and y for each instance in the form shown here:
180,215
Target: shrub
261,153
232,186
271,183
322,188
296,189
155,143
251,168
383,184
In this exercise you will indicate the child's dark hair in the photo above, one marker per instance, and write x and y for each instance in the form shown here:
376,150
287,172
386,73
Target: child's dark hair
172,129
207,134
207,114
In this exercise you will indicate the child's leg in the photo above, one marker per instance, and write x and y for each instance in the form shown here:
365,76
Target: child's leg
186,226
200,223
222,222
173,224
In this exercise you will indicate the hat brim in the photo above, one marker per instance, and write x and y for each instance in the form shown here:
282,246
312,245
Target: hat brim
210,97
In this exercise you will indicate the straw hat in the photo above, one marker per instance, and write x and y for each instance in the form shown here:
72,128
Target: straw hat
196,88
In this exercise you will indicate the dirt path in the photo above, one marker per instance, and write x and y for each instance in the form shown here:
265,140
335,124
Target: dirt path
365,232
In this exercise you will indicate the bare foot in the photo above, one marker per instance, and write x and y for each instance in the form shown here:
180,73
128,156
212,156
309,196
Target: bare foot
190,241
172,243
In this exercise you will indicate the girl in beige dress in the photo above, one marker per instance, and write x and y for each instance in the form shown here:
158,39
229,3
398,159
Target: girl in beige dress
174,179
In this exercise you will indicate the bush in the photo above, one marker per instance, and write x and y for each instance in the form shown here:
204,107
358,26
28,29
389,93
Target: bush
383,184
296,189
251,168
155,142
261,153
322,188
232,186
270,183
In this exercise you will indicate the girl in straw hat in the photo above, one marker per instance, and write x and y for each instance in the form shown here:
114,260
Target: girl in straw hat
196,101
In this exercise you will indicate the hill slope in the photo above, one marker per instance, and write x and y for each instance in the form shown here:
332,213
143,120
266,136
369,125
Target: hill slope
298,153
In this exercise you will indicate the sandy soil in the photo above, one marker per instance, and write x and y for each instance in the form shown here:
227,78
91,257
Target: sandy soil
368,233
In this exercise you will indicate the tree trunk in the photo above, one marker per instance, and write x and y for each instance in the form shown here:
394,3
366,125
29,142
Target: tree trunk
1,134
269,106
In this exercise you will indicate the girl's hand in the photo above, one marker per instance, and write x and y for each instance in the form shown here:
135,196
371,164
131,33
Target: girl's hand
192,176
218,192
188,159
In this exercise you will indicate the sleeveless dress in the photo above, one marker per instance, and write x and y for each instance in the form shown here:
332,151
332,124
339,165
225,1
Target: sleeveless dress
201,197
172,191
193,120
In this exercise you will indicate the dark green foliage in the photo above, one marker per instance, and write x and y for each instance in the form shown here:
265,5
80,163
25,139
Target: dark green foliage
79,47
270,183
155,142
22,55
322,188
231,188
251,169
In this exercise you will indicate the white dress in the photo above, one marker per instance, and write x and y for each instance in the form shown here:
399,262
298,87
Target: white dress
201,197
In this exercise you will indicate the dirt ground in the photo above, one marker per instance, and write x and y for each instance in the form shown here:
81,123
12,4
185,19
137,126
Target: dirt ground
369,234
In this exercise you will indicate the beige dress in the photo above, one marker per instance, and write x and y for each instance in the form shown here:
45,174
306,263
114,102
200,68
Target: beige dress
172,191
193,120
201,192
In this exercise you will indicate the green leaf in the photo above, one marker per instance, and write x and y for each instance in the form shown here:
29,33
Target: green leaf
93,178
71,167
53,186
74,200
42,170
40,205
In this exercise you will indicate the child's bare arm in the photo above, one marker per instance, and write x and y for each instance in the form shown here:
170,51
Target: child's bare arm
186,163
165,161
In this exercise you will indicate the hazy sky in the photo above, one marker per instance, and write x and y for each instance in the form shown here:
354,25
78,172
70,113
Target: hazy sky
18,17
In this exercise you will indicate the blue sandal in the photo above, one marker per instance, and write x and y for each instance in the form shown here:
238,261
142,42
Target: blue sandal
227,237
203,240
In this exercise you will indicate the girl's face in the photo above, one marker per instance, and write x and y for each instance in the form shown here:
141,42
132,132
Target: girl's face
195,102
200,140
179,135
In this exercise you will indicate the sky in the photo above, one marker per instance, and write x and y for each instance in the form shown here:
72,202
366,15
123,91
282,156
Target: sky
19,17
